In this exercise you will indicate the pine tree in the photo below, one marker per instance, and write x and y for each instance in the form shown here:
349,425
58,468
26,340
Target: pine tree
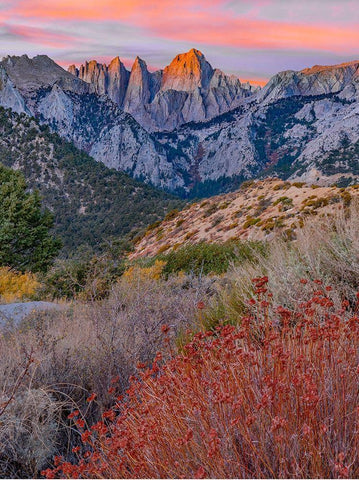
25,239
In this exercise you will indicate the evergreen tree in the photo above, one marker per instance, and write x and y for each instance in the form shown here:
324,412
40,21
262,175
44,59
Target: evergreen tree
25,239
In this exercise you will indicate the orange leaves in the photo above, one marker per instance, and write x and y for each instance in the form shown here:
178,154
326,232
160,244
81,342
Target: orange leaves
16,286
91,398
271,397
165,329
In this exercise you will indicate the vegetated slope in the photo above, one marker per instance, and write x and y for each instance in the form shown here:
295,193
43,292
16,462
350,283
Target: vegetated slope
90,201
257,211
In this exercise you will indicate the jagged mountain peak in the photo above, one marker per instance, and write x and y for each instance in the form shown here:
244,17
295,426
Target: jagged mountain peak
139,63
187,90
192,55
196,52
187,71
115,63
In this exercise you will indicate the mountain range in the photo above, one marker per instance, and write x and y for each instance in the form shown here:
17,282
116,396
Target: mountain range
191,129
187,90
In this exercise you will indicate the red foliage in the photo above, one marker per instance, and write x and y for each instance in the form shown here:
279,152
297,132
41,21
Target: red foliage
275,397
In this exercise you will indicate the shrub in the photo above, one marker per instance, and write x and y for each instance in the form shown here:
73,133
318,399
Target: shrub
325,247
153,272
153,225
285,203
246,185
211,210
163,248
251,221
180,222
28,434
77,351
171,215
85,275
205,258
15,286
275,397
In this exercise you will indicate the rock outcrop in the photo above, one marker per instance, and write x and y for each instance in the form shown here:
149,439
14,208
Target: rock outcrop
187,90
31,74
10,97
317,80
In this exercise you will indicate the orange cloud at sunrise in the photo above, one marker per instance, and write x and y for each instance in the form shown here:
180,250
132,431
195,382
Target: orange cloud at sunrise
234,35
211,24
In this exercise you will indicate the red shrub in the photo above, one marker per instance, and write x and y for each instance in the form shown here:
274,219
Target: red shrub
275,397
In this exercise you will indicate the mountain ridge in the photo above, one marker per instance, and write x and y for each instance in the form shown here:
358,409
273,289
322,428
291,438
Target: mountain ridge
300,125
198,91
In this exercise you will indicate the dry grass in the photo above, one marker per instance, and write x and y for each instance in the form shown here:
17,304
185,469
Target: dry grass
79,351
326,248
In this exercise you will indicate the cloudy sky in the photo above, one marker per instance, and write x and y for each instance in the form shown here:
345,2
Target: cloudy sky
251,38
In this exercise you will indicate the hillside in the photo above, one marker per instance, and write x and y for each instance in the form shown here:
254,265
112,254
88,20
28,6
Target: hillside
91,202
257,211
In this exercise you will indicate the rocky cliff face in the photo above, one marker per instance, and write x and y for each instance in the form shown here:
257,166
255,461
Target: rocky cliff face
187,90
301,125
94,123
111,80
10,97
317,80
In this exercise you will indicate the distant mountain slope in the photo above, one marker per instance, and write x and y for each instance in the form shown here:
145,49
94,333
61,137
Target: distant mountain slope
90,201
311,138
258,210
187,90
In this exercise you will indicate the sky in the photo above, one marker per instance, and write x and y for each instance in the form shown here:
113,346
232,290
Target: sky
253,39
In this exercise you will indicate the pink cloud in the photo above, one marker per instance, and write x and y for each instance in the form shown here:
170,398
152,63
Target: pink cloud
41,36
210,22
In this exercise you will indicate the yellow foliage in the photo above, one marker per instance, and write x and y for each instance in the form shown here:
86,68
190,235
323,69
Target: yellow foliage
15,286
153,273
